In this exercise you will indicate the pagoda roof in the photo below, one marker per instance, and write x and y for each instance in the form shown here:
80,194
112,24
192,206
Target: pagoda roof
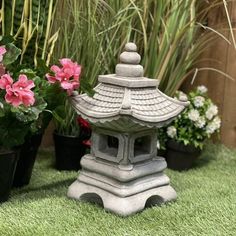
110,101
128,93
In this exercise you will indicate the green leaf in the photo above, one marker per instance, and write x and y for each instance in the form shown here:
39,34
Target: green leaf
2,113
28,72
59,114
86,87
12,54
186,142
29,114
43,68
6,40
33,127
14,109
12,131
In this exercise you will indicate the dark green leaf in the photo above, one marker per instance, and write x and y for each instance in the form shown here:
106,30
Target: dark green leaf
86,87
11,55
6,40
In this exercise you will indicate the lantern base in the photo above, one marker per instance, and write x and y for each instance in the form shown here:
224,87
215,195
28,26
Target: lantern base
123,206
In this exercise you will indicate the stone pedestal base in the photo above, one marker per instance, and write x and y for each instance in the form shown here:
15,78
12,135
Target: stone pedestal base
123,206
123,191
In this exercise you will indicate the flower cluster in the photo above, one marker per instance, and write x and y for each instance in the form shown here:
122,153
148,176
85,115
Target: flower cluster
19,92
64,79
67,75
199,120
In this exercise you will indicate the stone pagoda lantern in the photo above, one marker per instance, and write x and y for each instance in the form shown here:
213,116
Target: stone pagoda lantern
123,171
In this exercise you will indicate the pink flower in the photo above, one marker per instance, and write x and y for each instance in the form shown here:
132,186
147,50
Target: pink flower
5,81
69,85
83,123
51,79
24,83
2,52
68,75
70,69
20,92
87,143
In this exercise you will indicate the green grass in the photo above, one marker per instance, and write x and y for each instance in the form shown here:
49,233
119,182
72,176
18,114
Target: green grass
206,204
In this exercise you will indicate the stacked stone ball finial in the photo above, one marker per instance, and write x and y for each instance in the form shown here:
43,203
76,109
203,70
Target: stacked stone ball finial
130,59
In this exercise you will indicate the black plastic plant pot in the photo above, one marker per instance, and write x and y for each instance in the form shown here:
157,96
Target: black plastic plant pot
27,157
8,161
68,151
181,157
161,152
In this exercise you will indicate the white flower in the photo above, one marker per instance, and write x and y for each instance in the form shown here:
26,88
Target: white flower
171,131
198,101
213,126
193,115
210,129
211,112
158,144
217,122
181,96
200,123
202,89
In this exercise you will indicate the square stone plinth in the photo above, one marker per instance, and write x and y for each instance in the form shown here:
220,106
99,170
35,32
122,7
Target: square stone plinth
122,191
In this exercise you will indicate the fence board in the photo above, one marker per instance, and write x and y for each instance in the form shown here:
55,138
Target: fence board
229,102
222,56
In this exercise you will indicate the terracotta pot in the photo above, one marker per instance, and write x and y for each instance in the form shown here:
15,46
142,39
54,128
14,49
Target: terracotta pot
8,161
181,157
68,151
27,157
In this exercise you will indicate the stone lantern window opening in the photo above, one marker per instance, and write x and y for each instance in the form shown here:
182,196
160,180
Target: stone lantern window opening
142,145
113,142
107,145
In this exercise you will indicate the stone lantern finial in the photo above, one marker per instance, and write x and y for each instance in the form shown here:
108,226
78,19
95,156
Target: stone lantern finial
130,59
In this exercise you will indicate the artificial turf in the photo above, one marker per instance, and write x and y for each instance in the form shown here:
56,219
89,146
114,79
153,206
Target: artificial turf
206,204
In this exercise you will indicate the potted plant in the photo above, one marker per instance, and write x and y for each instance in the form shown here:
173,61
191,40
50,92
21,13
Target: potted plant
40,119
186,135
30,29
71,132
20,108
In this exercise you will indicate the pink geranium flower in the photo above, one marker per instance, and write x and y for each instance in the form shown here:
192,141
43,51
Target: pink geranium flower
2,52
67,75
5,81
20,92
70,69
